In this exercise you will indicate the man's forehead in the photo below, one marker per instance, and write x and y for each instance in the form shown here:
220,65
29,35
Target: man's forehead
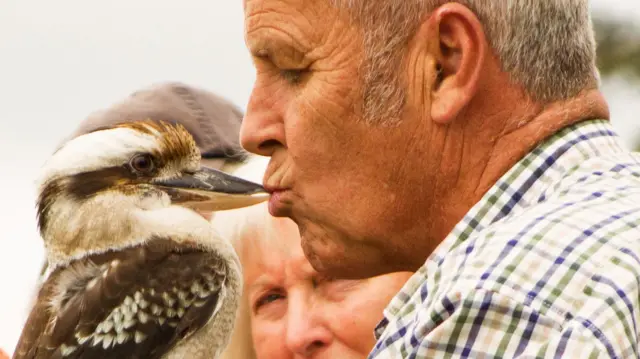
303,24
293,7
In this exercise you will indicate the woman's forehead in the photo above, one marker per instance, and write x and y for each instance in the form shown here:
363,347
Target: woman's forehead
275,239
276,257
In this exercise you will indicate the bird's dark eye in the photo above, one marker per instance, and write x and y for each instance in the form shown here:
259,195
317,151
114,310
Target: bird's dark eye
143,163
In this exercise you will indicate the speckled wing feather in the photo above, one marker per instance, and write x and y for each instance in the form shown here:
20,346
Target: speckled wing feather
27,346
135,303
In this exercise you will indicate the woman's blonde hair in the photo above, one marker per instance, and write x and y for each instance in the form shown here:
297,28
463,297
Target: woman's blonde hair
238,226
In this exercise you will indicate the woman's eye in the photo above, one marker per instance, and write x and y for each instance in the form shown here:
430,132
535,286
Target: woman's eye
268,298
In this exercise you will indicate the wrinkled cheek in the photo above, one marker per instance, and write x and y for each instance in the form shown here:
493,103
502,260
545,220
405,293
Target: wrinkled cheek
269,91
355,331
313,138
268,341
321,145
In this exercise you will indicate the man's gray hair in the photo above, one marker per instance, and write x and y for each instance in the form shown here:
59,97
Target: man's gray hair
547,46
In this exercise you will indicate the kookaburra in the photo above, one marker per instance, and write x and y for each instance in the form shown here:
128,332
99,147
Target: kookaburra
133,270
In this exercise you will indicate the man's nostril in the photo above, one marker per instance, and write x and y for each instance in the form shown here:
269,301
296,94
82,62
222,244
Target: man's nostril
269,144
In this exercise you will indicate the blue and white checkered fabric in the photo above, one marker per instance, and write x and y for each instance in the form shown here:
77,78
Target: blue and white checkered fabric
546,265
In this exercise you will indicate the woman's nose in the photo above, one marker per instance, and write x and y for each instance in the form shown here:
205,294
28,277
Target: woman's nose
307,332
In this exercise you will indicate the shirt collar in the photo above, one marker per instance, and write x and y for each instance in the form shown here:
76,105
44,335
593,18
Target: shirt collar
523,185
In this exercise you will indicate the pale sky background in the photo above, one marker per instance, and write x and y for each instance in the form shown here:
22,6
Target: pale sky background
60,60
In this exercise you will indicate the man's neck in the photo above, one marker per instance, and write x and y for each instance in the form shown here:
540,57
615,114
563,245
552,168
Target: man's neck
498,143
532,127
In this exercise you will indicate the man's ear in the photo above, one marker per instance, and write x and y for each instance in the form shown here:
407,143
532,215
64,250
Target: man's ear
457,47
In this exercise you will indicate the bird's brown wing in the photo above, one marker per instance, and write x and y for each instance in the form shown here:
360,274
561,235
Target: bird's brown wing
134,303
37,320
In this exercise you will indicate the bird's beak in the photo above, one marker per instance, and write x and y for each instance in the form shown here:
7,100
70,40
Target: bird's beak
212,190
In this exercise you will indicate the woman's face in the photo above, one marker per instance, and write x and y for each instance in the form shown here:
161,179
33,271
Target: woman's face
296,313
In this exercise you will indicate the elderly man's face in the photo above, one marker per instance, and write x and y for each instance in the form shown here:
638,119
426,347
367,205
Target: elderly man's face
351,186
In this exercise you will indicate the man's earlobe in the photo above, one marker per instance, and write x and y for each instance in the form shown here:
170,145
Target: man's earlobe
448,97
459,58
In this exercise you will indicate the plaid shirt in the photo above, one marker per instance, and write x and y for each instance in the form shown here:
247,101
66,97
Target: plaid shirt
546,265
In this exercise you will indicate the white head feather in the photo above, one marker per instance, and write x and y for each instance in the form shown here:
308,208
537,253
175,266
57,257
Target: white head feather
97,150
115,219
106,148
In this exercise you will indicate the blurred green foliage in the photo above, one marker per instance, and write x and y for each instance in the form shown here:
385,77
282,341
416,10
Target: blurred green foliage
618,50
618,47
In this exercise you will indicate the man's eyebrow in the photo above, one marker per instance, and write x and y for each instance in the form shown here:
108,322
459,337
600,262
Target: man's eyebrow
265,45
270,39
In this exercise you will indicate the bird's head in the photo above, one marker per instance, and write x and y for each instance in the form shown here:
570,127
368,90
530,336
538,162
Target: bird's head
113,187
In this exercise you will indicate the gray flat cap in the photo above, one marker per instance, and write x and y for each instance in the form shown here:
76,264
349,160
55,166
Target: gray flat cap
213,121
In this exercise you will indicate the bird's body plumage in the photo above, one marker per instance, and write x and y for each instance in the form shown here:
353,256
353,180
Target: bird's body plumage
134,303
131,274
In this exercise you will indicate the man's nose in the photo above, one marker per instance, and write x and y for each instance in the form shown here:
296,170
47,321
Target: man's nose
307,333
262,130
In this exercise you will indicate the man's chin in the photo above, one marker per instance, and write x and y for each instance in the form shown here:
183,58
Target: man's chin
326,258
339,269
